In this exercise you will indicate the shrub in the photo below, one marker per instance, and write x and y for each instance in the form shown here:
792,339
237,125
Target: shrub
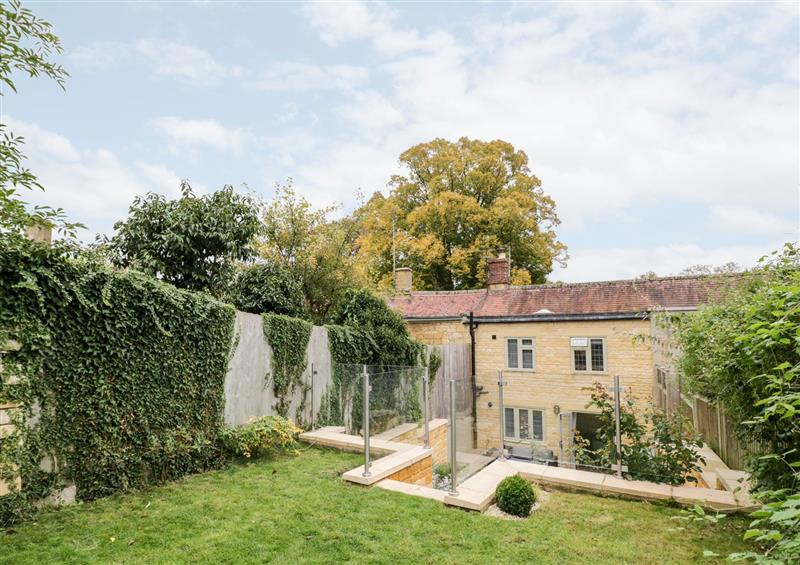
260,436
515,496
267,288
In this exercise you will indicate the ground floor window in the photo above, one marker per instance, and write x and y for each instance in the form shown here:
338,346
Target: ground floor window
524,424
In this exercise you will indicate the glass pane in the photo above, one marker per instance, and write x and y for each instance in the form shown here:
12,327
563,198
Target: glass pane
597,355
512,353
509,422
524,424
527,342
537,424
580,359
527,358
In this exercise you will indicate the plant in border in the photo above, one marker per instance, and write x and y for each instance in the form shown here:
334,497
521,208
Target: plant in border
259,437
515,496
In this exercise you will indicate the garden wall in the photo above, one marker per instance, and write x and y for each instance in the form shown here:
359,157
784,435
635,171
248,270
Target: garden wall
248,390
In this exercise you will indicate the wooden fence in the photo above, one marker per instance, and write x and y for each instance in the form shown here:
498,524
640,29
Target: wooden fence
456,364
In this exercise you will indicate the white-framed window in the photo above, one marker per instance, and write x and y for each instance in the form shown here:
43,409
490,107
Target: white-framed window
521,353
523,424
588,354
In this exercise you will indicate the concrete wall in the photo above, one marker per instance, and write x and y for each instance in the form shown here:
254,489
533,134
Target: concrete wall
553,381
248,389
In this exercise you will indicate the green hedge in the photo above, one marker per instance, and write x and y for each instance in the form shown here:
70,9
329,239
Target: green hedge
122,375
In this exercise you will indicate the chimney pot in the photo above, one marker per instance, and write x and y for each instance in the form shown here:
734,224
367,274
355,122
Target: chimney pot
402,280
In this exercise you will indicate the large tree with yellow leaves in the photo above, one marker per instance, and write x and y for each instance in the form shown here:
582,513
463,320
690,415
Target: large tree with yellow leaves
459,204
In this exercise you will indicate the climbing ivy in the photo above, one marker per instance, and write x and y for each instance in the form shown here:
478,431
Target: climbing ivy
288,338
119,377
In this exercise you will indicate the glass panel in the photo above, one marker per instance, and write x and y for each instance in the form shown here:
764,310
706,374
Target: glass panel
512,353
527,358
341,404
597,355
527,342
470,456
524,423
580,359
537,424
509,422
395,399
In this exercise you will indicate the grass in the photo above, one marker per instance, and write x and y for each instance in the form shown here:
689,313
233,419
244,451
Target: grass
298,510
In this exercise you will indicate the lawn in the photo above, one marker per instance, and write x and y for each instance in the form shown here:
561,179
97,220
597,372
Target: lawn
298,510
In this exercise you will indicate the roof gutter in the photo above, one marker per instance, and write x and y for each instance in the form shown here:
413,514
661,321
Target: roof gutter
563,317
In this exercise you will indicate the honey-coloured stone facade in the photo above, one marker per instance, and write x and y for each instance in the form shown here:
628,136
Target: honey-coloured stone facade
553,383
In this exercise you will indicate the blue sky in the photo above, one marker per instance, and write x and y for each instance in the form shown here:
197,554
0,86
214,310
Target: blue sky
668,134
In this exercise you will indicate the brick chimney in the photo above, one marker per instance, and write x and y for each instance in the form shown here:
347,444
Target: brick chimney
499,273
402,280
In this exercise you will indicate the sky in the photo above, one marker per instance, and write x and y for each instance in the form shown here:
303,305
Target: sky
668,134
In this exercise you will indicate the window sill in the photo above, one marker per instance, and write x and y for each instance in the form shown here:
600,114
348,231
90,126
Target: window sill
589,373
510,370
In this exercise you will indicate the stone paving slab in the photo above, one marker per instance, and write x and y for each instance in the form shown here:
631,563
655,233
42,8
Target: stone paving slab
385,466
347,442
477,492
413,490
635,489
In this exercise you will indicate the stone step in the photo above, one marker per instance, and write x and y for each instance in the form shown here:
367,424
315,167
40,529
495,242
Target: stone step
414,490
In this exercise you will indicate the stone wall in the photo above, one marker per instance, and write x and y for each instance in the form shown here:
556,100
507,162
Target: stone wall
439,333
553,382
419,473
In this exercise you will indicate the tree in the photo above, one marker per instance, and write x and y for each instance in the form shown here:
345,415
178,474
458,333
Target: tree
192,242
267,287
461,203
318,252
27,44
704,269
743,352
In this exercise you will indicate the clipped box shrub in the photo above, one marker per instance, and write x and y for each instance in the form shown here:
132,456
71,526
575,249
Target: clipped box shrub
260,437
515,496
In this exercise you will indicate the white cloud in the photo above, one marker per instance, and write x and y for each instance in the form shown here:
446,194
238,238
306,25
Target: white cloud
631,262
753,221
617,107
169,59
93,186
183,133
301,77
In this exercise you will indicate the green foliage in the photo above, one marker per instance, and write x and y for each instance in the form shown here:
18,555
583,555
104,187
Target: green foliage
192,242
461,202
655,446
382,330
260,437
266,288
288,338
27,45
370,333
515,496
744,352
776,525
318,252
121,376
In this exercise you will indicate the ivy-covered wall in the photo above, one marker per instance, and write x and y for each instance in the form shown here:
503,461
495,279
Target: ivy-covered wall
119,377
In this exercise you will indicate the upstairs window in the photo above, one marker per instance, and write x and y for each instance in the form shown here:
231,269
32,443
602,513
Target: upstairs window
588,354
521,353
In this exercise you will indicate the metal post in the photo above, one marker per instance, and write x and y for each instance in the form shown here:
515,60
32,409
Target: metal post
618,435
365,377
312,395
425,415
501,404
453,462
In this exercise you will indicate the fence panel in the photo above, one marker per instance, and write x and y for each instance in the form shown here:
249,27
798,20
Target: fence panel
456,364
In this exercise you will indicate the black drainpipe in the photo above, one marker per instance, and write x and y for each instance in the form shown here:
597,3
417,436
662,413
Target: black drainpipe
475,392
